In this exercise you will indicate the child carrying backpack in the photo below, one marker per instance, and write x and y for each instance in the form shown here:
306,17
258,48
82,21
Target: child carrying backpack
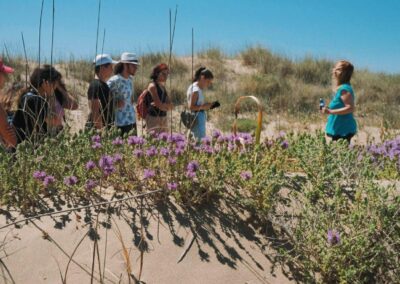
154,102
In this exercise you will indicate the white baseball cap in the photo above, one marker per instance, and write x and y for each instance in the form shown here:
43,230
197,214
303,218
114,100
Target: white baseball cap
127,57
102,59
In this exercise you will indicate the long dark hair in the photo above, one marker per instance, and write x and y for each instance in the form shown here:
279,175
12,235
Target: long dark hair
202,71
119,68
38,77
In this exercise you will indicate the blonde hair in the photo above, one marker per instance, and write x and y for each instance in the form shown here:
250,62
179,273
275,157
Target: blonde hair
342,73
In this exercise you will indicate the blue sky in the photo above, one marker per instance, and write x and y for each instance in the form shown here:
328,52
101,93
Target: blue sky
365,32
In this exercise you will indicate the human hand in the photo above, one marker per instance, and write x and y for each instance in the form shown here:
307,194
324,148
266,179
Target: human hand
207,106
325,110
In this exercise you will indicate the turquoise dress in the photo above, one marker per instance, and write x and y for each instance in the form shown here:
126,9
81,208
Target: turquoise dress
341,125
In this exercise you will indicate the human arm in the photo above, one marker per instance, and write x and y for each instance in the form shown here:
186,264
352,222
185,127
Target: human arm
68,101
95,110
348,102
115,93
95,105
194,107
6,131
156,100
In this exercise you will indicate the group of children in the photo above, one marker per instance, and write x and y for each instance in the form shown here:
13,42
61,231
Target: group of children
40,105
38,110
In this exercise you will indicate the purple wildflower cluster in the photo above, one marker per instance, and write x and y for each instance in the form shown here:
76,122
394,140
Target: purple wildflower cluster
388,150
70,180
191,169
148,173
96,140
118,141
152,151
246,175
106,164
136,140
172,186
285,144
44,178
138,153
333,237
90,165
163,136
90,184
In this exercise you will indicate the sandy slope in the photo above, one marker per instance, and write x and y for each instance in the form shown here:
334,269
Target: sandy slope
225,249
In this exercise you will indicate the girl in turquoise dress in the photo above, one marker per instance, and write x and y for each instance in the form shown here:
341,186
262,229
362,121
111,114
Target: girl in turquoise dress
341,123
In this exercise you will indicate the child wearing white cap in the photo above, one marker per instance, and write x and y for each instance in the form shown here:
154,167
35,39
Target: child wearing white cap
121,89
100,101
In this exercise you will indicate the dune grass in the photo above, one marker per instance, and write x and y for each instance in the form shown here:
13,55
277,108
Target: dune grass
285,86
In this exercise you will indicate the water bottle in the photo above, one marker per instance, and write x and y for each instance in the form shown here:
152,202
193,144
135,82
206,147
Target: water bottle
321,103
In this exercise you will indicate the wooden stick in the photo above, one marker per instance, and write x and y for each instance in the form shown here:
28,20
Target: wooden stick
26,60
40,30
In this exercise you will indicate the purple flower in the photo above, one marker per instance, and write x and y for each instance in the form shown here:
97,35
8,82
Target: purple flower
90,165
71,180
221,139
247,138
164,151
96,145
90,184
285,144
281,134
96,139
216,134
108,170
181,144
172,186
270,143
138,153
191,174
117,158
118,141
106,163
333,237
163,136
179,151
193,166
246,175
48,180
135,140
231,147
151,152
207,149
39,175
176,137
148,173
206,141
172,160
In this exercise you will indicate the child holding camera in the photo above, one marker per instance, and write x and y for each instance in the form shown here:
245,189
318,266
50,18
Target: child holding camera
196,101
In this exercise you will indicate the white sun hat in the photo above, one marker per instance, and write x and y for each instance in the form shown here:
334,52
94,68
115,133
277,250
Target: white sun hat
127,57
102,59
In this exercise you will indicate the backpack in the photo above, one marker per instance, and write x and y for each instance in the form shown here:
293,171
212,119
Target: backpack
143,104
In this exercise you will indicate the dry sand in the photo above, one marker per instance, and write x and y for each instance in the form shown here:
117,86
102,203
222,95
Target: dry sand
225,248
